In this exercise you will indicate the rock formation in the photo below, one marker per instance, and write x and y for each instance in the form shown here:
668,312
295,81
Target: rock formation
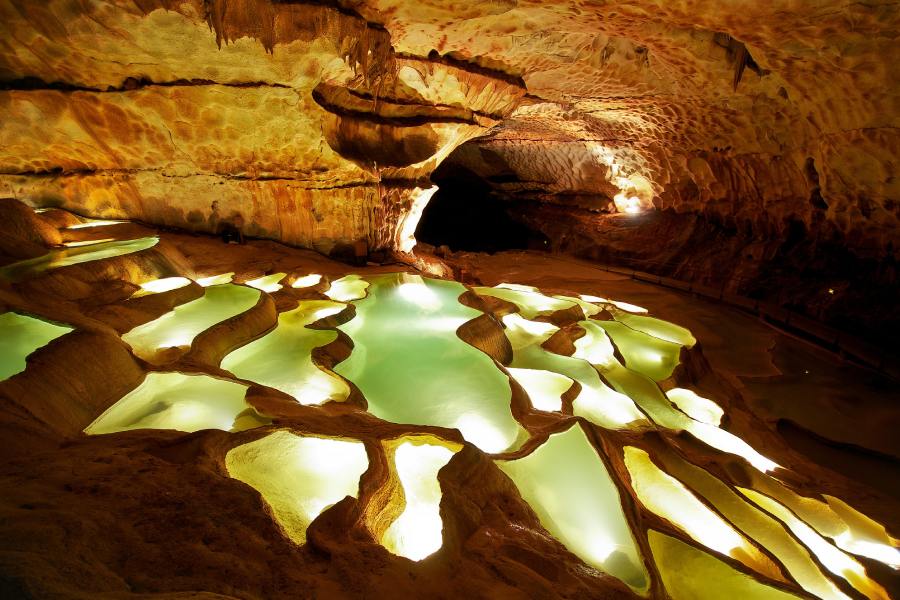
185,418
318,124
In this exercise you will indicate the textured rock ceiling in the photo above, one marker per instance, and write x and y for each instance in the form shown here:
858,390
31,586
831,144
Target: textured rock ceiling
320,123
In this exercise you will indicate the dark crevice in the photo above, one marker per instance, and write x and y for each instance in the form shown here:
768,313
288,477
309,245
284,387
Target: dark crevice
405,102
464,65
396,121
815,192
465,216
739,56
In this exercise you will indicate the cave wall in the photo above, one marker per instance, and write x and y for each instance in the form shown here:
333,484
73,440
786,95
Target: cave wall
299,117
320,122
765,113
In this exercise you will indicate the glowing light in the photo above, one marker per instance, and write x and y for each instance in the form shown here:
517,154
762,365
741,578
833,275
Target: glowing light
282,359
647,394
215,279
590,298
518,287
881,552
268,283
544,388
180,402
522,332
328,311
587,308
87,242
156,286
531,303
179,327
756,524
596,401
413,371
691,574
567,485
417,532
607,408
632,308
834,560
657,328
20,336
632,186
627,204
863,536
406,232
482,433
94,223
594,346
727,442
600,549
696,407
299,477
177,341
307,281
850,529
347,288
95,250
414,290
668,498
654,357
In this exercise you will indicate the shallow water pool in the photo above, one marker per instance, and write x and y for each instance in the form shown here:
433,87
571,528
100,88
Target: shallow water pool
179,327
412,367
21,335
73,256
282,359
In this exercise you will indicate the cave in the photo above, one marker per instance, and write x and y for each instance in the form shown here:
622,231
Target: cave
464,215
493,299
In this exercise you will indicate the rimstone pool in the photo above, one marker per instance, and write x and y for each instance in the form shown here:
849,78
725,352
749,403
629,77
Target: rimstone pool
562,425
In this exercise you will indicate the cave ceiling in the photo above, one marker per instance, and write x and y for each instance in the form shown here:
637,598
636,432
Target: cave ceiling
321,123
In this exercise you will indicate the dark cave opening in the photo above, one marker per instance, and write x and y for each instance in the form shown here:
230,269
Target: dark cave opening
465,215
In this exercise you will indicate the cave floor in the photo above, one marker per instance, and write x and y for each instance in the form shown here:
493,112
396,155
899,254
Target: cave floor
784,380
303,492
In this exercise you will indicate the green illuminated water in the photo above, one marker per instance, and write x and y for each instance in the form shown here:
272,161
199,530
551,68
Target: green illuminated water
568,486
180,402
179,327
72,256
20,335
412,367
691,574
299,477
654,357
282,359
656,327
596,401
530,301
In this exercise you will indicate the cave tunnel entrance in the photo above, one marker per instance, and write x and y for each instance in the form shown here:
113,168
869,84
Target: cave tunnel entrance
465,215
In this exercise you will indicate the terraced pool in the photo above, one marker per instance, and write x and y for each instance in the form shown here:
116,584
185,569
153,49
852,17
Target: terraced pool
599,388
74,255
20,336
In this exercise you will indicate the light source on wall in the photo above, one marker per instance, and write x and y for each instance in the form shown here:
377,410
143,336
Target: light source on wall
635,191
627,204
